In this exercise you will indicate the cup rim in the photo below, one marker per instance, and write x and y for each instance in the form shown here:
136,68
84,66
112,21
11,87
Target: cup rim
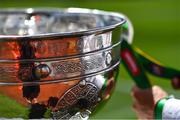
4,38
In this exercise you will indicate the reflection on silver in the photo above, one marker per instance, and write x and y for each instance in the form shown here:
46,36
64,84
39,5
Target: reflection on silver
22,25
72,22
42,71
81,115
43,21
95,42
108,58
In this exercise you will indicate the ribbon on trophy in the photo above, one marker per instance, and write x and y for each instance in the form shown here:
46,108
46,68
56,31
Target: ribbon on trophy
138,62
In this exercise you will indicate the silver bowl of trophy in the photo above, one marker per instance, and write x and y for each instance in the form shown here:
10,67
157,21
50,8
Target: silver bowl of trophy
62,63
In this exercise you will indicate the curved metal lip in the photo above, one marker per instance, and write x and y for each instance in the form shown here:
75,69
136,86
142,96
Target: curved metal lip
60,80
62,34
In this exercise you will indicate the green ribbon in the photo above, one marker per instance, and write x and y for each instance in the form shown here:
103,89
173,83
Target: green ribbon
159,108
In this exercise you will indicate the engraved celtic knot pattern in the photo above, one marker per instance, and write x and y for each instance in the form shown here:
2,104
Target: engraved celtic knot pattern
81,66
8,72
82,96
73,66
89,92
63,114
15,72
56,69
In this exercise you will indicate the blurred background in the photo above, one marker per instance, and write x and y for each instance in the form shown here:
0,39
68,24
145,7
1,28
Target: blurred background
157,32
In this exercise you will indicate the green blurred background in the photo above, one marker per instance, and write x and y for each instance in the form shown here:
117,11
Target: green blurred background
157,26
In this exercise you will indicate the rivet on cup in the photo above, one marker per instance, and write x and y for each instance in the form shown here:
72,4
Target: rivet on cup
42,71
108,58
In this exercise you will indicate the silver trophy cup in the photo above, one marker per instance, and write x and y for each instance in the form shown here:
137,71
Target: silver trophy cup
59,63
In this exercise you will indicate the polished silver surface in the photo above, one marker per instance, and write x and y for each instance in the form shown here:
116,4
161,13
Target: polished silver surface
102,21
64,61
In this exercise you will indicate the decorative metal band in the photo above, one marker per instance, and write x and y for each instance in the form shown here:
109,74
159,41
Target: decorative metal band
58,69
61,80
55,47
